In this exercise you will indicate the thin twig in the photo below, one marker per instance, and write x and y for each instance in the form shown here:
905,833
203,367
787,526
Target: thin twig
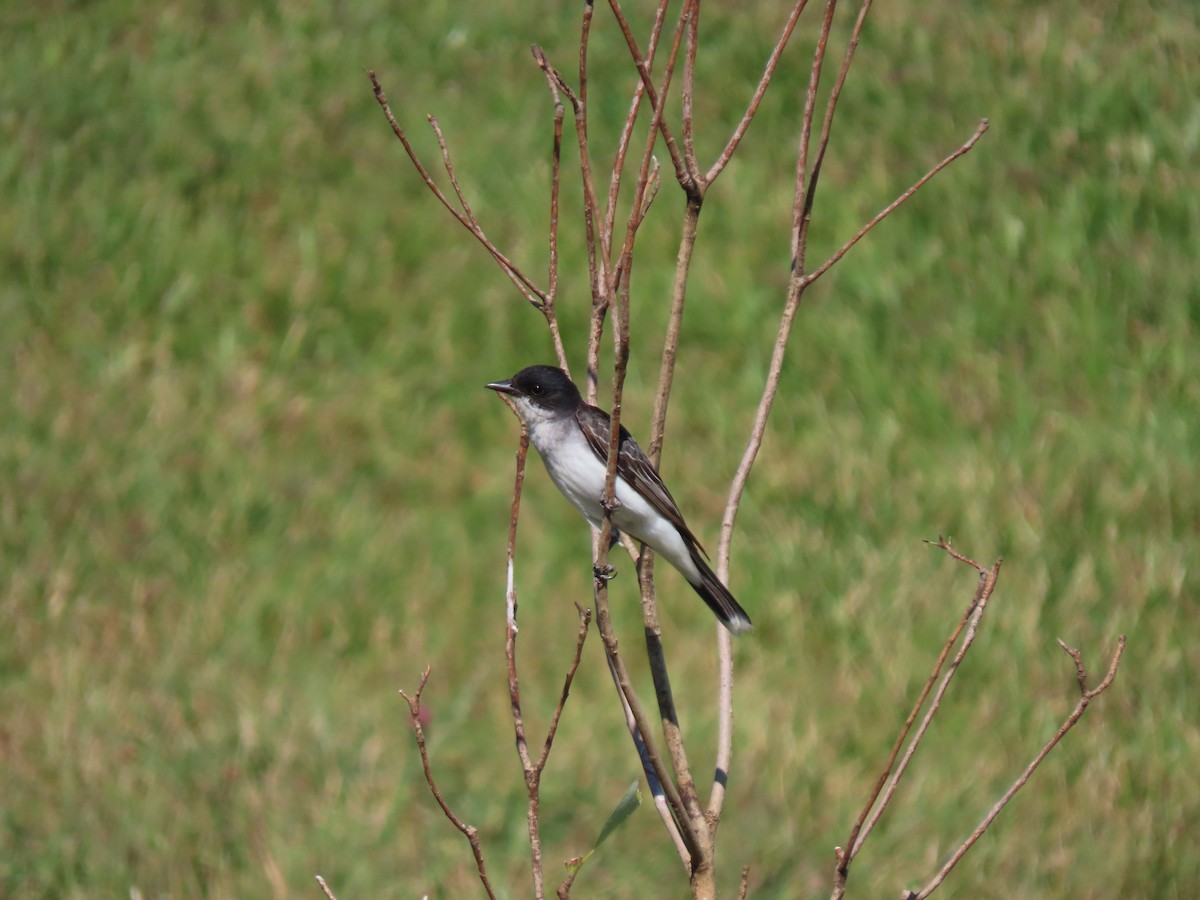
623,268
585,620
670,352
510,591
634,707
801,188
595,241
535,295
1086,697
810,193
691,15
759,92
744,886
716,798
549,310
969,621
514,684
642,64
623,143
661,803
469,831
891,207
875,806
843,859
325,889
468,213
979,606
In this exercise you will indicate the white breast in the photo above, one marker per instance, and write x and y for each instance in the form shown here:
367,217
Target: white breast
579,474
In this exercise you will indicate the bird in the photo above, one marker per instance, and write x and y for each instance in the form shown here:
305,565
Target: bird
572,437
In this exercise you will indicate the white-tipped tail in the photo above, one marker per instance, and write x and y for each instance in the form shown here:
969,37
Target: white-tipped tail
719,600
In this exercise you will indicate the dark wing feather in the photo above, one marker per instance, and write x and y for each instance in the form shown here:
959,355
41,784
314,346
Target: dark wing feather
632,466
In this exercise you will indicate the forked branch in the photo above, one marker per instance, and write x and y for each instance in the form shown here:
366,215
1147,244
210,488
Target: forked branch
469,831
1086,697
881,796
542,300
874,807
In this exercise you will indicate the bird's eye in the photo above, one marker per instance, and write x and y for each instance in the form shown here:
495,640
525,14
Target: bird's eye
536,389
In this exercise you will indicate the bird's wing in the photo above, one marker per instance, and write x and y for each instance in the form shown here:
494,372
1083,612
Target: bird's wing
632,466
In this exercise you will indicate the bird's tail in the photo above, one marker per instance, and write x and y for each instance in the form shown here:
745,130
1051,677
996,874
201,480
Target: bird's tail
719,600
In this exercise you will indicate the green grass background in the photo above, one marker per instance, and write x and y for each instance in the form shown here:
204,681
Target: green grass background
250,484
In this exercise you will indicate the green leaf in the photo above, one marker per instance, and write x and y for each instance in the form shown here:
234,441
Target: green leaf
624,809
631,800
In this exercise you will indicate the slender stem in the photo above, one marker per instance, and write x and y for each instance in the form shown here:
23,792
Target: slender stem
585,620
469,831
535,295
691,15
635,105
643,68
651,768
625,685
759,92
670,351
844,860
830,109
532,780
549,310
891,207
987,585
800,203
1076,714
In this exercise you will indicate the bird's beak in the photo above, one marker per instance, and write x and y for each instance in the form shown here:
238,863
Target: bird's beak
501,387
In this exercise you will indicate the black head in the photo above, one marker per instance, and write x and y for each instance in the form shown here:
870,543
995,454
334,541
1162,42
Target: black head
544,386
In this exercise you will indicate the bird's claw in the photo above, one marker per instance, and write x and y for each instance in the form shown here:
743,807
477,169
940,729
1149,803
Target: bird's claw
604,573
610,506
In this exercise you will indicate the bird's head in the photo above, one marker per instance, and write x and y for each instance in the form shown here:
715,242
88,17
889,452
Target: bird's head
540,392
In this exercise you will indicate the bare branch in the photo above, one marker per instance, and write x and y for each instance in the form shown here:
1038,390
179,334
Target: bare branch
810,192
1076,714
510,591
639,91
651,768
535,295
944,543
585,620
643,67
891,207
690,16
772,64
325,889
744,886
799,198
549,304
629,697
469,831
716,799
624,266
596,241
970,620
514,685
670,351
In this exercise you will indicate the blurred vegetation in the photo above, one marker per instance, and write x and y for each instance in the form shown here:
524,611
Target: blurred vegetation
250,483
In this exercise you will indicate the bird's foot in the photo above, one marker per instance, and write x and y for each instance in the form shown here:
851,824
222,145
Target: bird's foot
610,506
604,573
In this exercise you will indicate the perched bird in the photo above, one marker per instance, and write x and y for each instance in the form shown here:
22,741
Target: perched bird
572,438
